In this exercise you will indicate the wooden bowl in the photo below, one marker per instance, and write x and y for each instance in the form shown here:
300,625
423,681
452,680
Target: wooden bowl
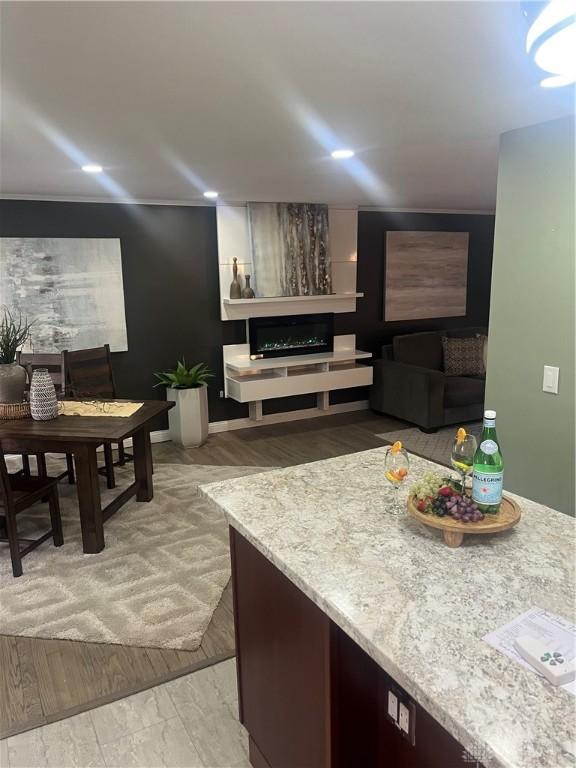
454,530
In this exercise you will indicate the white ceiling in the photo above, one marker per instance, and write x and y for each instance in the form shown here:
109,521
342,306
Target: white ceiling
250,98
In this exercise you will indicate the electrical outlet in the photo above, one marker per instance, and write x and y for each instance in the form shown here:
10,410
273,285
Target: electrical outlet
404,719
392,706
401,711
221,393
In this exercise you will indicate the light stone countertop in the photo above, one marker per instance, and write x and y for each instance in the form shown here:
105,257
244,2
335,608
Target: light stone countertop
417,607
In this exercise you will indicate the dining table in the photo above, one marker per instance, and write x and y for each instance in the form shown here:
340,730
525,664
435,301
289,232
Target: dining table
81,436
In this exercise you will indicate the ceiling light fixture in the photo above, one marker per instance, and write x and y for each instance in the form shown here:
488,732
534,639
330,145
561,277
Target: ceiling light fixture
92,168
551,42
342,154
211,195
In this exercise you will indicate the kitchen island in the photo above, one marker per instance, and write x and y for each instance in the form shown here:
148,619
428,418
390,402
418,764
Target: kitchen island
338,604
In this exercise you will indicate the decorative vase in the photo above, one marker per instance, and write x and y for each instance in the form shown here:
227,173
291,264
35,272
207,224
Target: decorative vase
12,383
43,401
247,292
235,290
188,420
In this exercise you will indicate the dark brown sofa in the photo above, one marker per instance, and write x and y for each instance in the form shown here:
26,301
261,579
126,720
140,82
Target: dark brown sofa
410,384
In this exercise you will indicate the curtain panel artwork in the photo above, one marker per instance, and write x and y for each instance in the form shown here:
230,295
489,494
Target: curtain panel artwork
290,249
71,289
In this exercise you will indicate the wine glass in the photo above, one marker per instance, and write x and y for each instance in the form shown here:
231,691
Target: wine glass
396,467
463,450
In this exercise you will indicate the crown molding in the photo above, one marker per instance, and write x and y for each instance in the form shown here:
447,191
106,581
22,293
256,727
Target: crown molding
460,211
234,203
107,201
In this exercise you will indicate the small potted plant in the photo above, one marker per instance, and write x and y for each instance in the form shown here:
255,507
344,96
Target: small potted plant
14,332
188,420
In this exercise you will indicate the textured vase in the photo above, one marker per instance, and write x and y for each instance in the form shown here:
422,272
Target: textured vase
235,289
247,292
12,383
43,401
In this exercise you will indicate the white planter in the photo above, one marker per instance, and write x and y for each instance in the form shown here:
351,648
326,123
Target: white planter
188,420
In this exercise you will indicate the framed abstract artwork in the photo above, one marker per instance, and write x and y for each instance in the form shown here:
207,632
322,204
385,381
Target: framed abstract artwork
290,249
70,288
425,275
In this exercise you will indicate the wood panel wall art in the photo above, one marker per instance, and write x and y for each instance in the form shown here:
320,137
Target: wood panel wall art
425,275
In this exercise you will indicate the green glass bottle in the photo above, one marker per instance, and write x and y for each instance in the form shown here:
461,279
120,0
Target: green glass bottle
488,469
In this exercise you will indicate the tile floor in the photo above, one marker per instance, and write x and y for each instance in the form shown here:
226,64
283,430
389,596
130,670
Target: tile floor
191,722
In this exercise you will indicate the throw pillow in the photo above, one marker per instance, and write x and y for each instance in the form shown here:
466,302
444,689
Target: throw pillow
464,356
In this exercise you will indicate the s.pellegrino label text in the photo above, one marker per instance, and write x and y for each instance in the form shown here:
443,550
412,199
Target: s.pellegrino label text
488,468
487,487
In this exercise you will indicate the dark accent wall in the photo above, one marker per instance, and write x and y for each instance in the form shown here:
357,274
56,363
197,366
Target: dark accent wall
170,274
371,330
368,324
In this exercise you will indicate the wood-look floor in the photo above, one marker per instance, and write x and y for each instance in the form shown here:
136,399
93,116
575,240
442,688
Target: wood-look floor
45,680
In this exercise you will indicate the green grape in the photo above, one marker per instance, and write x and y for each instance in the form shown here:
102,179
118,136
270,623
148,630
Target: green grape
427,486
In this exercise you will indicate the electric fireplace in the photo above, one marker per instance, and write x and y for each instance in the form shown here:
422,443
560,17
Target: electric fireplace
282,336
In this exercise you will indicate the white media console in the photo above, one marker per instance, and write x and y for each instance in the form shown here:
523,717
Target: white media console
252,381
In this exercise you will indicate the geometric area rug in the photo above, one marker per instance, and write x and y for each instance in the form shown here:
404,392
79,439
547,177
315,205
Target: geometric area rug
156,583
436,446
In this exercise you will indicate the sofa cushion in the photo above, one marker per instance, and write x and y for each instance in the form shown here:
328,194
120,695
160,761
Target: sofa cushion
423,349
463,390
464,356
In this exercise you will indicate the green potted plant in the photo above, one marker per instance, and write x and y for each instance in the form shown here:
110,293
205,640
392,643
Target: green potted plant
188,387
14,332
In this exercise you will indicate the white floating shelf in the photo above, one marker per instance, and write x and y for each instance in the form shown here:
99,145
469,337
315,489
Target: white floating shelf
247,389
242,309
251,381
281,299
243,364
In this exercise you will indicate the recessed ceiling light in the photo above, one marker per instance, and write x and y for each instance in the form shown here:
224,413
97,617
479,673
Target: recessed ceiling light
92,168
211,195
342,154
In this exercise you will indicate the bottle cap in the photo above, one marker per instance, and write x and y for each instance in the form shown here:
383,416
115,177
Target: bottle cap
489,414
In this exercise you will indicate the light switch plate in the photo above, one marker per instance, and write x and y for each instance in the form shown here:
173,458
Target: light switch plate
550,380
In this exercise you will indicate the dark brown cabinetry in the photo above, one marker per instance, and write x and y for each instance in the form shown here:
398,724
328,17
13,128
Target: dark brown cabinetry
310,697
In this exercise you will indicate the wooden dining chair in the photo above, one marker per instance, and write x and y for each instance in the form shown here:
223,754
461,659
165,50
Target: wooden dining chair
18,493
90,376
54,363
